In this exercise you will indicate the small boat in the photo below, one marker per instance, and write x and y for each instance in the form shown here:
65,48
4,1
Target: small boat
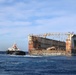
14,50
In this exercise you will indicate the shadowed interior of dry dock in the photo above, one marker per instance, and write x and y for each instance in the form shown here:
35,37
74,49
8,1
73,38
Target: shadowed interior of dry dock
60,44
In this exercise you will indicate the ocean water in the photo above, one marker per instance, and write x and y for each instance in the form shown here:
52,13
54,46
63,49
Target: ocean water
37,65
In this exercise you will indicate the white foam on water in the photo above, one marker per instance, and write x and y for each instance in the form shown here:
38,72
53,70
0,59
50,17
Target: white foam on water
31,56
24,56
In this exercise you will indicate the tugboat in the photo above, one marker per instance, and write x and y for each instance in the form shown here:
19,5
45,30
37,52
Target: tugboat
14,50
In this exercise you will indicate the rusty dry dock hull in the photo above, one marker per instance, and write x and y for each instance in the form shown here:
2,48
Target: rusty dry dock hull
16,52
40,46
43,46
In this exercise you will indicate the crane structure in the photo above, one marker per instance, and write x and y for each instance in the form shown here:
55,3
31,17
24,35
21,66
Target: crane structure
67,35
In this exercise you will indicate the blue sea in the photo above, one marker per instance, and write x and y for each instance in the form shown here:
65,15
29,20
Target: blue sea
37,65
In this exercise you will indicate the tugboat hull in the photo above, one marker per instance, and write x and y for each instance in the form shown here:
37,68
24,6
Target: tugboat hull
15,52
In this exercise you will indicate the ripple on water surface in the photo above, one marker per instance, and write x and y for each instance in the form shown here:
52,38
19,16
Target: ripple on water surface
37,65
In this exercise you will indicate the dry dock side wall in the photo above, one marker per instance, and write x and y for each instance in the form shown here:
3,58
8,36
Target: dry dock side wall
45,46
47,53
39,45
71,45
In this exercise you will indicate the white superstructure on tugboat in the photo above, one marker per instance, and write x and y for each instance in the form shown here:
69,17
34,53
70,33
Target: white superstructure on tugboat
15,50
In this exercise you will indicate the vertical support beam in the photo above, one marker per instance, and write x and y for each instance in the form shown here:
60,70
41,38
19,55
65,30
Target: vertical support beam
69,44
30,43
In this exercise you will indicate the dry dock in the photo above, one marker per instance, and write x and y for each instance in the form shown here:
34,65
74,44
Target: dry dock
39,45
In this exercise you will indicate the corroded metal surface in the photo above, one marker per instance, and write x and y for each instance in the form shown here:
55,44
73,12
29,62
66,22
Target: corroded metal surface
48,52
44,46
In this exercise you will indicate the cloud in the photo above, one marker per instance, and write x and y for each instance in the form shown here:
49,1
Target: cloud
19,18
2,1
17,11
24,10
58,24
14,23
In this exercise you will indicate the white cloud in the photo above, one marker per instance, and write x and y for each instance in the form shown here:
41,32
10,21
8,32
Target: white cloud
58,24
15,12
2,1
20,18
14,23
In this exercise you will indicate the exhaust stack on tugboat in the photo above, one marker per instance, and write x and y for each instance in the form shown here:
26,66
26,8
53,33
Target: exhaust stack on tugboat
14,50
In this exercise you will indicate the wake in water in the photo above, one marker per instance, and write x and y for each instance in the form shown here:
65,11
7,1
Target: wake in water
37,65
25,56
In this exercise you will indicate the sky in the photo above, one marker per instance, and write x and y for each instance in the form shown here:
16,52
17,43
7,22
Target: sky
19,18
